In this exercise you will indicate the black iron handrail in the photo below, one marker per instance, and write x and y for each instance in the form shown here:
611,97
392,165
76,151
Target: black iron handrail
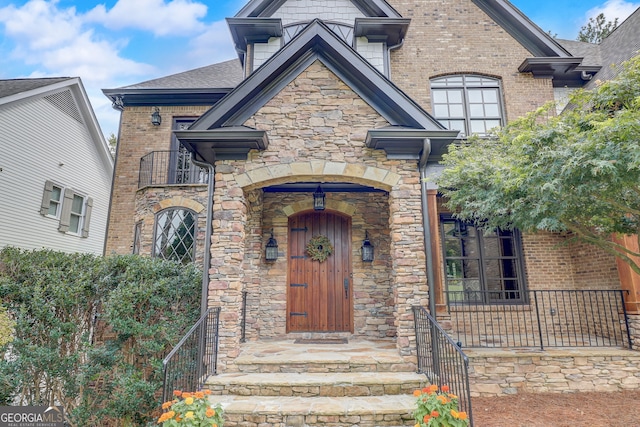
441,360
194,358
539,318
172,167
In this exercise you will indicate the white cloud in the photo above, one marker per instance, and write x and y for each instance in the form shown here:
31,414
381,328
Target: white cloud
160,18
613,9
211,46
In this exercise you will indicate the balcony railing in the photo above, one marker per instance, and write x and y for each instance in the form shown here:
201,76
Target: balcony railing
541,318
170,168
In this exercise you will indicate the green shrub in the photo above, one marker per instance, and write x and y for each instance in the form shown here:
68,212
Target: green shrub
143,307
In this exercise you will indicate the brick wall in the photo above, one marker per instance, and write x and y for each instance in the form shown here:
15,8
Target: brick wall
457,37
136,138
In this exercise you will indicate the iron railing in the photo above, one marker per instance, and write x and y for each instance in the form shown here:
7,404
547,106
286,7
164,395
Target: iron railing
170,168
195,357
441,360
540,318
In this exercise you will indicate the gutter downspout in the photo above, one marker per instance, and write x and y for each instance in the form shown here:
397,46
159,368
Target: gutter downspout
422,167
208,233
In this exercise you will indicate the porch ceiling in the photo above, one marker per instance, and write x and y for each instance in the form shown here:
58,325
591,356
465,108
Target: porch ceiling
327,187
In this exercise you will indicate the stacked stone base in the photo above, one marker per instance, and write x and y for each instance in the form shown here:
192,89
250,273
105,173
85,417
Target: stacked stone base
496,372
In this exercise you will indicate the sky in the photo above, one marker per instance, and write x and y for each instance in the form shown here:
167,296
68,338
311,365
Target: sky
114,43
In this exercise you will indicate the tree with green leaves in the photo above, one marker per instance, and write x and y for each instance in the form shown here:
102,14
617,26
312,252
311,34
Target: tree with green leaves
578,172
113,144
597,29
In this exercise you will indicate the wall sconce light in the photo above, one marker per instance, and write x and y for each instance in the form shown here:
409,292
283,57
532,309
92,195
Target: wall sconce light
156,119
367,249
318,199
271,250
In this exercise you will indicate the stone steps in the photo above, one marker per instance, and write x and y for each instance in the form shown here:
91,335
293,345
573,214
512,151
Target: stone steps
284,384
316,384
370,411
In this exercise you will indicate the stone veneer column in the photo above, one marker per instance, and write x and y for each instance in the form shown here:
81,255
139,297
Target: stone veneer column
226,276
409,280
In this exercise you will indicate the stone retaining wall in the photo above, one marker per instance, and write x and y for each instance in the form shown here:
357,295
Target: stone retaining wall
501,372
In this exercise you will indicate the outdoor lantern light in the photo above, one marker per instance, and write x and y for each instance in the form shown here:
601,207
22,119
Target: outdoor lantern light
271,251
156,119
318,199
367,249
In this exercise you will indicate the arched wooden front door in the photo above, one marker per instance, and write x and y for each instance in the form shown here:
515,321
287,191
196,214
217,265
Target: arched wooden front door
319,297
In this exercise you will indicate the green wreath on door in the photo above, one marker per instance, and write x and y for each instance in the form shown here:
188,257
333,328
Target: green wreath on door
319,248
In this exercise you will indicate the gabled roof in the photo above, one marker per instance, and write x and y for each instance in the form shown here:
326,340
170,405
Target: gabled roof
224,121
266,8
317,42
16,86
19,89
201,86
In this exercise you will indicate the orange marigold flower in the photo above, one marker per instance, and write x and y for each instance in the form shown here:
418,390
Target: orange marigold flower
442,399
210,412
177,393
166,416
185,395
425,390
207,392
462,415
433,388
445,388
452,396
435,414
417,393
199,395
426,418
167,405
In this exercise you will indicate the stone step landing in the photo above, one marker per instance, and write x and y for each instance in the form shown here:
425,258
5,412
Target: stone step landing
283,384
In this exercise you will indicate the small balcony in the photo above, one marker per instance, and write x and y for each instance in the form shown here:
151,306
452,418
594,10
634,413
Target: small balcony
170,168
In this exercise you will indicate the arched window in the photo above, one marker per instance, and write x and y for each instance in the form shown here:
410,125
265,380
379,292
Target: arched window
174,237
469,103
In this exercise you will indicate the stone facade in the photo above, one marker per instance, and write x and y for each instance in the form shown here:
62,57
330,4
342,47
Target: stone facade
498,372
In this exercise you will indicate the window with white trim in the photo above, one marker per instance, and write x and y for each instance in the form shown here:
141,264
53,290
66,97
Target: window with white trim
471,104
71,208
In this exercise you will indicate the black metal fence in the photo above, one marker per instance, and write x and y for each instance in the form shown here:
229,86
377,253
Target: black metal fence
170,168
194,358
441,360
540,318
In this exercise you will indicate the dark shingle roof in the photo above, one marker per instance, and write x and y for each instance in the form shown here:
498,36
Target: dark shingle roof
226,74
15,86
589,51
621,45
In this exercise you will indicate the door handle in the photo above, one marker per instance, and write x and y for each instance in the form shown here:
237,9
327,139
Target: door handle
346,288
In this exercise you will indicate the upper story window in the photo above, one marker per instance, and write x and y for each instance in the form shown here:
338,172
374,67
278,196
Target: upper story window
481,266
468,103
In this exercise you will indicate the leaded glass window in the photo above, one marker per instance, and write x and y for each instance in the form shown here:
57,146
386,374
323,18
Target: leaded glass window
175,233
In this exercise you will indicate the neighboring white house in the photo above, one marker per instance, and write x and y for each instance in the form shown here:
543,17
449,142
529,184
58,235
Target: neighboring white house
55,167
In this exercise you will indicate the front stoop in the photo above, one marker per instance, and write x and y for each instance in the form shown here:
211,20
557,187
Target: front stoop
281,384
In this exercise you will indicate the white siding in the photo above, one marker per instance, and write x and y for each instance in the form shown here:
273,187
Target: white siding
343,11
39,142
372,52
264,51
